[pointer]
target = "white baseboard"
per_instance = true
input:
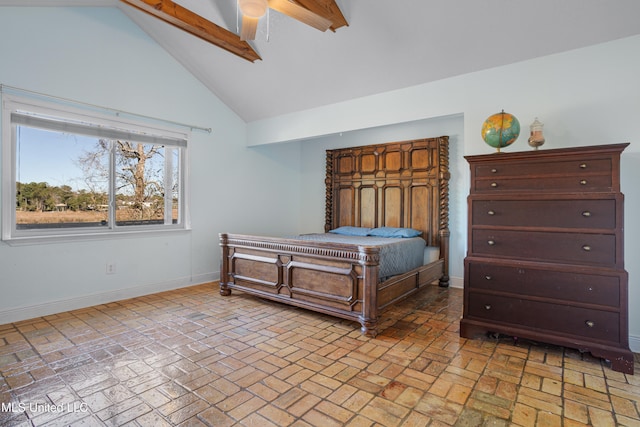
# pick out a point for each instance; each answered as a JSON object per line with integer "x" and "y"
{"x": 456, "y": 282}
{"x": 59, "y": 306}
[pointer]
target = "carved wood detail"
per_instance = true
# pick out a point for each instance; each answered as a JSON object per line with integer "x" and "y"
{"x": 390, "y": 185}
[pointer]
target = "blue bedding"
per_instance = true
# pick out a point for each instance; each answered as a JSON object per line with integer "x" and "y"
{"x": 397, "y": 255}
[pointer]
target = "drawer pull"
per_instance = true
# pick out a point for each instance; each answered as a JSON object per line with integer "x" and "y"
{"x": 491, "y": 213}
{"x": 583, "y": 182}
{"x": 491, "y": 242}
{"x": 494, "y": 170}
{"x": 488, "y": 277}
{"x": 487, "y": 307}
{"x": 583, "y": 165}
{"x": 586, "y": 248}
{"x": 494, "y": 184}
{"x": 586, "y": 214}
{"x": 590, "y": 323}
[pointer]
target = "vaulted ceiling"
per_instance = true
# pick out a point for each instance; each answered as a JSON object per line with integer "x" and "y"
{"x": 386, "y": 45}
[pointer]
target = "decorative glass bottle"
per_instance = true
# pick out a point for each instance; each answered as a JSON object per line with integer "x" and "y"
{"x": 536, "y": 139}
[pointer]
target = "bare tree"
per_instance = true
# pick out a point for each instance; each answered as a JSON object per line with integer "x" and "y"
{"x": 95, "y": 170}
{"x": 132, "y": 171}
{"x": 134, "y": 175}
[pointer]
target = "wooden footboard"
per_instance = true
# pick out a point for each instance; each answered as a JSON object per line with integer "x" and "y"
{"x": 336, "y": 279}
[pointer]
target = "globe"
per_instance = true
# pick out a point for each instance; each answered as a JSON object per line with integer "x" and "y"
{"x": 500, "y": 130}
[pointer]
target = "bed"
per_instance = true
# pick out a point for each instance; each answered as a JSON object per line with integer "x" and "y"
{"x": 393, "y": 186}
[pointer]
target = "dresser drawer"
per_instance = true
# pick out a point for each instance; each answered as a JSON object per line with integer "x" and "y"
{"x": 582, "y": 248}
{"x": 544, "y": 167}
{"x": 545, "y": 213}
{"x": 585, "y": 288}
{"x": 571, "y": 183}
{"x": 558, "y": 318}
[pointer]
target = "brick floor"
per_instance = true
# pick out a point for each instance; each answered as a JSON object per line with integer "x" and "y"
{"x": 193, "y": 358}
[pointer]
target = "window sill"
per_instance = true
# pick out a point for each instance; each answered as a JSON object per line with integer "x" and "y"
{"x": 83, "y": 237}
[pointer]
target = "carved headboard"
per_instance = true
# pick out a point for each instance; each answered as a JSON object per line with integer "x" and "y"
{"x": 397, "y": 184}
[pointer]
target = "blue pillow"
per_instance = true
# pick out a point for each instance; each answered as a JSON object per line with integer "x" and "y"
{"x": 394, "y": 232}
{"x": 351, "y": 231}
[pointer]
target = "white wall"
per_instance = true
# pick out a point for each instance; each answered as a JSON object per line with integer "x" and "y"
{"x": 584, "y": 97}
{"x": 99, "y": 56}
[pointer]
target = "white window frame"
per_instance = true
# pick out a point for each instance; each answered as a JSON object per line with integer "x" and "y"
{"x": 74, "y": 119}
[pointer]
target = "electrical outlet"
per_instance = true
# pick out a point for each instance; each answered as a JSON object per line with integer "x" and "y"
{"x": 111, "y": 268}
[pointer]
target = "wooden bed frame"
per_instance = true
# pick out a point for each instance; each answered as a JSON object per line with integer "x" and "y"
{"x": 400, "y": 184}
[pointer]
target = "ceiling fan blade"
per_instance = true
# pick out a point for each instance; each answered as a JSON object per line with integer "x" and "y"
{"x": 301, "y": 14}
{"x": 328, "y": 9}
{"x": 249, "y": 27}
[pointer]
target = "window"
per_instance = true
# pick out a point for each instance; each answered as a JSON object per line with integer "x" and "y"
{"x": 70, "y": 172}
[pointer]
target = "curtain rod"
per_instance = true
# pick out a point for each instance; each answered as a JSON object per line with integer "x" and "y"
{"x": 99, "y": 107}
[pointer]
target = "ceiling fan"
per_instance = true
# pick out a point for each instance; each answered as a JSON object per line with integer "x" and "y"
{"x": 321, "y": 14}
{"x": 253, "y": 10}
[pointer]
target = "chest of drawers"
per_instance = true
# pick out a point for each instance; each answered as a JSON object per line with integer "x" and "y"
{"x": 545, "y": 254}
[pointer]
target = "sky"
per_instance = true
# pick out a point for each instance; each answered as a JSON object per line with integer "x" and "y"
{"x": 51, "y": 157}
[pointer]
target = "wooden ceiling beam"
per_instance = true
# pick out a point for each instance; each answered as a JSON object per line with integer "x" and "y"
{"x": 328, "y": 9}
{"x": 195, "y": 24}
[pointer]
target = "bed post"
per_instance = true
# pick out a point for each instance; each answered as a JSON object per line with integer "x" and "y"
{"x": 369, "y": 259}
{"x": 444, "y": 233}
{"x": 224, "y": 265}
{"x": 328, "y": 185}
